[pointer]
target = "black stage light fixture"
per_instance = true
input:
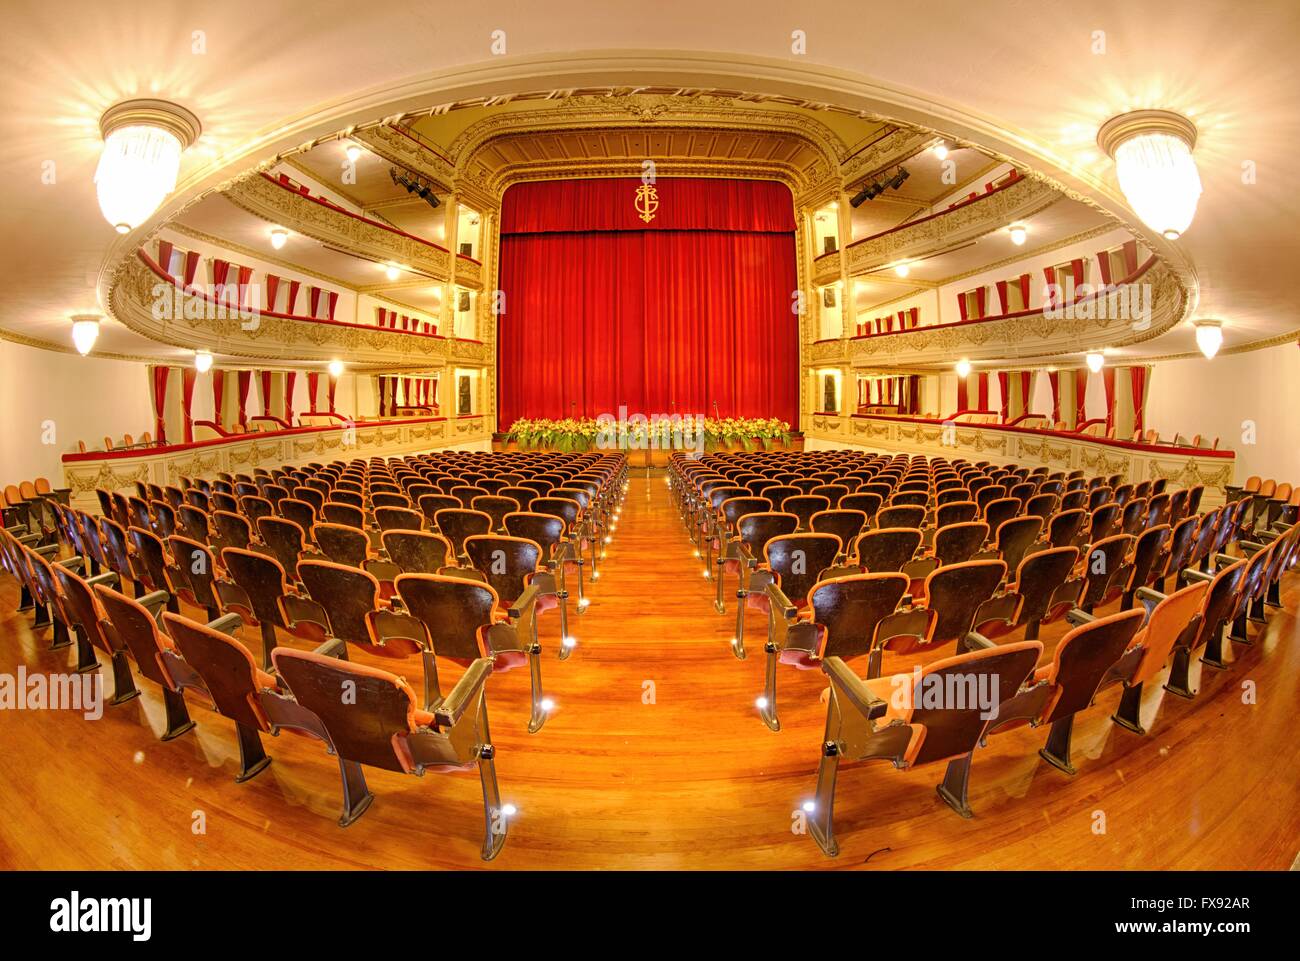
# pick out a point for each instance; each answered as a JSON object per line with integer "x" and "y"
{"x": 898, "y": 178}
{"x": 858, "y": 198}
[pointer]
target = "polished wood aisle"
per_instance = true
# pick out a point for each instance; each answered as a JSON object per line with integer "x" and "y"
{"x": 655, "y": 758}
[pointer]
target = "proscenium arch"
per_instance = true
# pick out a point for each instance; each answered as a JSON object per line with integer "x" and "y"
{"x": 810, "y": 82}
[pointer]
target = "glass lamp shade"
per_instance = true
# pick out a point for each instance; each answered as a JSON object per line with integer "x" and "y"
{"x": 85, "y": 331}
{"x": 1209, "y": 338}
{"x": 1096, "y": 361}
{"x": 963, "y": 368}
{"x": 202, "y": 361}
{"x": 136, "y": 172}
{"x": 1152, "y": 150}
{"x": 336, "y": 368}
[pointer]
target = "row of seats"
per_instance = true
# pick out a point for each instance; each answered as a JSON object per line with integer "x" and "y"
{"x": 448, "y": 581}
{"x": 853, "y": 555}
{"x": 1271, "y": 501}
{"x": 19, "y": 503}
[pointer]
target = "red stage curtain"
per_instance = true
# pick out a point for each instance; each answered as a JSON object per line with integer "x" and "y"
{"x": 289, "y": 380}
{"x": 187, "y": 400}
{"x": 655, "y": 317}
{"x": 245, "y": 381}
{"x": 571, "y": 206}
{"x": 272, "y": 284}
{"x": 218, "y": 394}
{"x": 159, "y": 375}
{"x": 245, "y": 276}
{"x": 313, "y": 383}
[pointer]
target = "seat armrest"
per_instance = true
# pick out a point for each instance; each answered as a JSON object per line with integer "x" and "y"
{"x": 74, "y": 563}
{"x": 154, "y": 602}
{"x": 1191, "y": 575}
{"x": 334, "y": 647}
{"x": 780, "y": 602}
{"x": 524, "y": 602}
{"x": 975, "y": 641}
{"x": 454, "y": 705}
{"x": 1077, "y": 616}
{"x": 108, "y": 577}
{"x": 853, "y": 688}
{"x": 227, "y": 623}
{"x": 1150, "y": 594}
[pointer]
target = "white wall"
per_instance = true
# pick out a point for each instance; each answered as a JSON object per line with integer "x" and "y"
{"x": 1229, "y": 395}
{"x": 80, "y": 398}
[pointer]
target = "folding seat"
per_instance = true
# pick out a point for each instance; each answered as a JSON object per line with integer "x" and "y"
{"x": 1133, "y": 516}
{"x": 869, "y": 504}
{"x": 956, "y": 512}
{"x": 85, "y": 614}
{"x": 1073, "y": 500}
{"x": 1167, "y": 617}
{"x": 341, "y": 543}
{"x": 1205, "y": 632}
{"x": 430, "y": 504}
{"x": 844, "y": 524}
{"x": 257, "y": 590}
{"x": 1103, "y": 562}
{"x": 910, "y": 498}
{"x": 132, "y": 626}
{"x": 1043, "y": 505}
{"x": 886, "y": 550}
{"x": 832, "y": 492}
{"x": 1125, "y": 494}
{"x": 726, "y": 542}
{"x": 804, "y": 506}
{"x": 223, "y": 502}
{"x": 417, "y": 552}
{"x": 1060, "y": 689}
{"x": 903, "y": 515}
{"x": 398, "y": 519}
{"x": 1045, "y": 589}
{"x": 1104, "y": 522}
{"x": 910, "y": 721}
{"x": 313, "y": 496}
{"x": 164, "y": 518}
{"x": 753, "y": 533}
{"x": 231, "y": 530}
{"x": 385, "y": 727}
{"x": 1099, "y": 496}
{"x": 44, "y": 589}
{"x": 344, "y": 604}
{"x": 284, "y": 540}
{"x": 1000, "y": 510}
{"x": 951, "y": 495}
{"x": 150, "y": 564}
{"x": 299, "y": 511}
{"x": 792, "y": 563}
{"x": 247, "y": 488}
{"x": 1158, "y": 510}
{"x": 193, "y": 574}
{"x": 138, "y": 512}
{"x": 383, "y": 499}
{"x": 456, "y": 524}
{"x": 1013, "y": 538}
{"x": 958, "y": 542}
{"x": 117, "y": 553}
{"x": 570, "y": 511}
{"x": 1140, "y": 567}
{"x": 349, "y": 515}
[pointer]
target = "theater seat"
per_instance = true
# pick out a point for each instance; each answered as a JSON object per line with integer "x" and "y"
{"x": 385, "y": 726}
{"x": 911, "y": 721}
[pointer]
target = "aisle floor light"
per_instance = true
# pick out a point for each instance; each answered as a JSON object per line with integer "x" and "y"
{"x": 143, "y": 142}
{"x": 85, "y": 331}
{"x": 1209, "y": 337}
{"x": 1152, "y": 150}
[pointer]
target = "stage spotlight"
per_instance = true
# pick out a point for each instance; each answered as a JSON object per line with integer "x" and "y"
{"x": 898, "y": 178}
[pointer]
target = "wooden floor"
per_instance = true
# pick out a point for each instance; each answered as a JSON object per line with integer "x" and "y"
{"x": 686, "y": 778}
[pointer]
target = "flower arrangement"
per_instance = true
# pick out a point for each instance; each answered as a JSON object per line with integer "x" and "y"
{"x": 636, "y": 432}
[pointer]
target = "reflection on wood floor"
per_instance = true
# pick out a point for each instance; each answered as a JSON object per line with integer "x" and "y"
{"x": 655, "y": 758}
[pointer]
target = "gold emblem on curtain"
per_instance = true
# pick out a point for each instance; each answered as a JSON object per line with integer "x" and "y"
{"x": 647, "y": 202}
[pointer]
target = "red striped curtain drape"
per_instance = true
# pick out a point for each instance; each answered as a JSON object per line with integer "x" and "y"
{"x": 1080, "y": 395}
{"x": 1138, "y": 377}
{"x": 290, "y": 379}
{"x": 313, "y": 385}
{"x": 218, "y": 394}
{"x": 1004, "y": 385}
{"x": 266, "y": 393}
{"x": 1108, "y": 381}
{"x": 158, "y": 381}
{"x": 188, "y": 375}
{"x": 244, "y": 381}
{"x": 1054, "y": 378}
